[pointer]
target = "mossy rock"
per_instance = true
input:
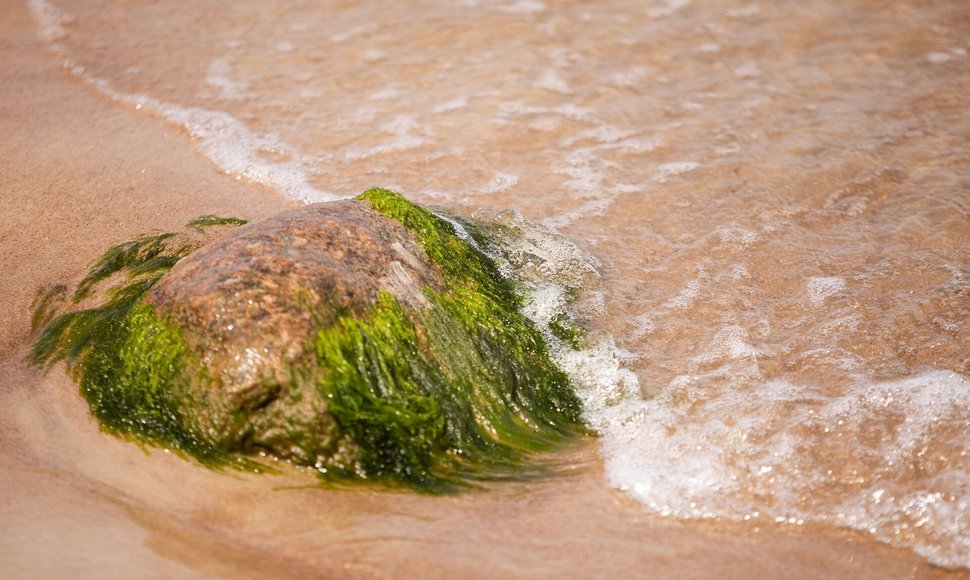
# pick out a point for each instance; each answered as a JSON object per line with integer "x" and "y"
{"x": 367, "y": 338}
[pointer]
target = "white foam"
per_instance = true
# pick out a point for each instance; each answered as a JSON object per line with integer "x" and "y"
{"x": 218, "y": 76}
{"x": 386, "y": 93}
{"x": 51, "y": 22}
{"x": 735, "y": 236}
{"x": 748, "y": 70}
{"x": 452, "y": 105}
{"x": 728, "y": 149}
{"x": 670, "y": 7}
{"x": 643, "y": 325}
{"x": 939, "y": 57}
{"x": 346, "y": 35}
{"x": 236, "y": 150}
{"x": 601, "y": 134}
{"x": 822, "y": 287}
{"x": 588, "y": 170}
{"x": 743, "y": 11}
{"x": 535, "y": 254}
{"x": 524, "y": 7}
{"x": 696, "y": 451}
{"x": 630, "y": 78}
{"x": 730, "y": 342}
{"x": 739, "y": 272}
{"x": 666, "y": 170}
{"x": 501, "y": 181}
{"x": 708, "y": 47}
{"x": 685, "y": 296}
{"x": 401, "y": 127}
{"x": 550, "y": 80}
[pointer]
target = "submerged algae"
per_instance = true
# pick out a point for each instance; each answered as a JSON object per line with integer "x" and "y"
{"x": 456, "y": 385}
{"x": 128, "y": 363}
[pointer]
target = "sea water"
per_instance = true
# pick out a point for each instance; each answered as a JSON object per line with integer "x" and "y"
{"x": 760, "y": 211}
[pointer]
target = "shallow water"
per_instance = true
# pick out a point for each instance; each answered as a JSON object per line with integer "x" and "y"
{"x": 775, "y": 198}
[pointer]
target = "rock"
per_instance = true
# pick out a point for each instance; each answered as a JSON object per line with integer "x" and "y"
{"x": 365, "y": 338}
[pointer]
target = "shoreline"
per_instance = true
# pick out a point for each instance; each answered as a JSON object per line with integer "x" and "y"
{"x": 78, "y": 174}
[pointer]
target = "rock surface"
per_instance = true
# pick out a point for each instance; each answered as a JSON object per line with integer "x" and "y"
{"x": 250, "y": 302}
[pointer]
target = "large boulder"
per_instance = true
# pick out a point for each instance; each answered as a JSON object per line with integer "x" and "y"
{"x": 368, "y": 338}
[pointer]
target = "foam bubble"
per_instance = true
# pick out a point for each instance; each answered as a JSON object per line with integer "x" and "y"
{"x": 685, "y": 296}
{"x": 822, "y": 287}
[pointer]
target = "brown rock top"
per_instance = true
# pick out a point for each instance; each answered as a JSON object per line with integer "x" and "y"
{"x": 242, "y": 300}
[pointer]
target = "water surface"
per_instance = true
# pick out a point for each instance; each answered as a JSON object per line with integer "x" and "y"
{"x": 776, "y": 197}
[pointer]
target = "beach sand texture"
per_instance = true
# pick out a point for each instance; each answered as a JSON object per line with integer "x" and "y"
{"x": 80, "y": 171}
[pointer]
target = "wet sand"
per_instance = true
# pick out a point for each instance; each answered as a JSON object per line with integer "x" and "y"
{"x": 77, "y": 174}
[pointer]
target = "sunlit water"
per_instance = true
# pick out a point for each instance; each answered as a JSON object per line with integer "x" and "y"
{"x": 771, "y": 203}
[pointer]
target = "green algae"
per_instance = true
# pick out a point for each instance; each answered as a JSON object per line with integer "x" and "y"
{"x": 46, "y": 304}
{"x": 487, "y": 305}
{"x": 206, "y": 221}
{"x": 433, "y": 403}
{"x": 135, "y": 384}
{"x": 129, "y": 364}
{"x": 461, "y": 388}
{"x": 566, "y": 329}
{"x": 462, "y": 263}
{"x": 500, "y": 396}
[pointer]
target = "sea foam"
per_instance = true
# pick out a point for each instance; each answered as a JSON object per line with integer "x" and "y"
{"x": 725, "y": 443}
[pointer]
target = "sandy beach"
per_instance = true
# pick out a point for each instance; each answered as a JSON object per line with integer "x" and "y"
{"x": 79, "y": 173}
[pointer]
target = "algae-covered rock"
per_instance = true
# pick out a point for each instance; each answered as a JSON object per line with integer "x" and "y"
{"x": 368, "y": 338}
